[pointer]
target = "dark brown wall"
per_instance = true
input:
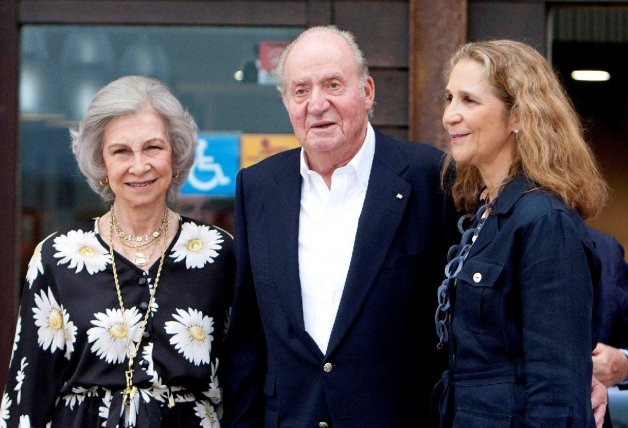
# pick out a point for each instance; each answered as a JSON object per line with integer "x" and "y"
{"x": 8, "y": 181}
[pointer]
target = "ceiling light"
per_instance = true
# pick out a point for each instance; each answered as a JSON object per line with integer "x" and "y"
{"x": 590, "y": 75}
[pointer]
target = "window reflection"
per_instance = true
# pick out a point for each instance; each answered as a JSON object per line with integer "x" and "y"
{"x": 214, "y": 71}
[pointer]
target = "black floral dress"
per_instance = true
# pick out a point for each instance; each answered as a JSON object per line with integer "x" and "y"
{"x": 70, "y": 351}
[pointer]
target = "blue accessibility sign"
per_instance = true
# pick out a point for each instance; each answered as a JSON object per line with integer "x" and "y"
{"x": 215, "y": 166}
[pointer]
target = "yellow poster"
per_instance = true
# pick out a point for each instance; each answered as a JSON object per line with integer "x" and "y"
{"x": 255, "y": 147}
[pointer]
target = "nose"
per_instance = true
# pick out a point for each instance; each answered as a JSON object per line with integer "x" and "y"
{"x": 318, "y": 101}
{"x": 451, "y": 115}
{"x": 139, "y": 164}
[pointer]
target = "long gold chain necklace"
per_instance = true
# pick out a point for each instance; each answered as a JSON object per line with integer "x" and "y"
{"x": 140, "y": 259}
{"x": 131, "y": 389}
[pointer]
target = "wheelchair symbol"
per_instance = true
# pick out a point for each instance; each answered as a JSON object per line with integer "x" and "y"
{"x": 205, "y": 163}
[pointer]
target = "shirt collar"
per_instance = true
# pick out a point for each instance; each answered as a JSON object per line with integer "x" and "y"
{"x": 512, "y": 192}
{"x": 361, "y": 162}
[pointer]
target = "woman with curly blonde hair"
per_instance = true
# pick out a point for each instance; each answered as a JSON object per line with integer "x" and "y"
{"x": 517, "y": 309}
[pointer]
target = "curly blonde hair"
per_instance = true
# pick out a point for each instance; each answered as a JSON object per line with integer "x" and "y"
{"x": 550, "y": 148}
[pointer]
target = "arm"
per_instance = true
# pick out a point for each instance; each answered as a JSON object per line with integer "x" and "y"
{"x": 557, "y": 312}
{"x": 43, "y": 334}
{"x": 244, "y": 361}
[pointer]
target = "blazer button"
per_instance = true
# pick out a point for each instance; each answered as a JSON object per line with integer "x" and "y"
{"x": 327, "y": 368}
{"x": 323, "y": 425}
{"x": 477, "y": 277}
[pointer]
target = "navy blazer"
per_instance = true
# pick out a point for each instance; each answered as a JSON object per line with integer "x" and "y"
{"x": 524, "y": 320}
{"x": 381, "y": 360}
{"x": 614, "y": 328}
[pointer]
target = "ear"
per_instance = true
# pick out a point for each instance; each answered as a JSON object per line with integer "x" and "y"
{"x": 513, "y": 120}
{"x": 369, "y": 92}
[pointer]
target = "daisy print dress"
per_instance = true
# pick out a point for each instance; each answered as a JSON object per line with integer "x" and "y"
{"x": 70, "y": 353}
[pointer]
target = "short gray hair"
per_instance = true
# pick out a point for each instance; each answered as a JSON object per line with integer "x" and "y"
{"x": 127, "y": 95}
{"x": 358, "y": 56}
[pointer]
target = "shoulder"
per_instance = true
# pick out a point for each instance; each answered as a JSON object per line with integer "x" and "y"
{"x": 194, "y": 227}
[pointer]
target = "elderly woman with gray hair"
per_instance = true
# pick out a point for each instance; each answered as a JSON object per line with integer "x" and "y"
{"x": 122, "y": 316}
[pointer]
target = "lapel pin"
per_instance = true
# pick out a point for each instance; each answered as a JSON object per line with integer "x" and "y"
{"x": 399, "y": 196}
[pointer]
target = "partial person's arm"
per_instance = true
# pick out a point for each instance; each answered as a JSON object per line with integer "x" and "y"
{"x": 610, "y": 365}
{"x": 44, "y": 340}
{"x": 599, "y": 400}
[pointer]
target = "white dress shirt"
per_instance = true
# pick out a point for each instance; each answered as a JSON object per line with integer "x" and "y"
{"x": 328, "y": 222}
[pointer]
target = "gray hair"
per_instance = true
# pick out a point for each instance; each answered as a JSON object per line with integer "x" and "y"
{"x": 127, "y": 95}
{"x": 358, "y": 56}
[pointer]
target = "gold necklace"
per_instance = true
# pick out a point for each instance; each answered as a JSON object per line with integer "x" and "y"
{"x": 140, "y": 257}
{"x": 131, "y": 389}
{"x": 139, "y": 239}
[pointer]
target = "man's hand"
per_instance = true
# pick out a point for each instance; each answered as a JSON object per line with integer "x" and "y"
{"x": 610, "y": 366}
{"x": 599, "y": 400}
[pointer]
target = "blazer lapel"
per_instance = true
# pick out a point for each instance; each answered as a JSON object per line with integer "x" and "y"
{"x": 283, "y": 204}
{"x": 384, "y": 205}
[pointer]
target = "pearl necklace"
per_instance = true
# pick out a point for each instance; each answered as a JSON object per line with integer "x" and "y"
{"x": 130, "y": 390}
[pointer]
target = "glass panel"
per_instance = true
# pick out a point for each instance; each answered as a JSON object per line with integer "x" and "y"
{"x": 218, "y": 73}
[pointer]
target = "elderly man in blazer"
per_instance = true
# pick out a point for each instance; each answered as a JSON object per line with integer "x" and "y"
{"x": 340, "y": 248}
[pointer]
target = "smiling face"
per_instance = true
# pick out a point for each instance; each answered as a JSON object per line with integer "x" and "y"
{"x": 138, "y": 158}
{"x": 327, "y": 108}
{"x": 478, "y": 122}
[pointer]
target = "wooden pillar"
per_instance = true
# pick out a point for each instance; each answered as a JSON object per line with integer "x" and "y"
{"x": 8, "y": 180}
{"x": 437, "y": 28}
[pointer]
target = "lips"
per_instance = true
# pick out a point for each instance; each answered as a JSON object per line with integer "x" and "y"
{"x": 142, "y": 184}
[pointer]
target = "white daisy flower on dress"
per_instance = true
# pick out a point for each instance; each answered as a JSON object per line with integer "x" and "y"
{"x": 81, "y": 249}
{"x": 78, "y": 395}
{"x": 110, "y": 333}
{"x": 19, "y": 379}
{"x": 158, "y": 389}
{"x": 4, "y": 410}
{"x": 25, "y": 422}
{"x": 192, "y": 334}
{"x": 35, "y": 267}
{"x": 205, "y": 411}
{"x": 56, "y": 331}
{"x": 197, "y": 244}
{"x": 131, "y": 411}
{"x": 103, "y": 410}
{"x": 16, "y": 341}
{"x": 214, "y": 393}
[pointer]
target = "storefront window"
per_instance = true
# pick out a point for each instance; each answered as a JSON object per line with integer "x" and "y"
{"x": 222, "y": 75}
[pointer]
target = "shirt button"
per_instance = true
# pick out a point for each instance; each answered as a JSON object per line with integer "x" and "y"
{"x": 141, "y": 281}
{"x": 477, "y": 277}
{"x": 143, "y": 306}
{"x": 146, "y": 335}
{"x": 328, "y": 367}
{"x": 323, "y": 425}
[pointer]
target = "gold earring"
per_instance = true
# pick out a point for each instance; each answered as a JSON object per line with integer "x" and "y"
{"x": 174, "y": 177}
{"x": 104, "y": 182}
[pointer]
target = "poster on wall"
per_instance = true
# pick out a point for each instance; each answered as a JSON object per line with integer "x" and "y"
{"x": 215, "y": 166}
{"x": 269, "y": 53}
{"x": 255, "y": 147}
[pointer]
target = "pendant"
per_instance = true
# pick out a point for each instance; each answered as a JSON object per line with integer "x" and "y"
{"x": 140, "y": 259}
{"x": 129, "y": 392}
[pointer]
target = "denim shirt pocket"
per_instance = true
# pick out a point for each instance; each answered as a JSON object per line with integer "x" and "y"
{"x": 478, "y": 296}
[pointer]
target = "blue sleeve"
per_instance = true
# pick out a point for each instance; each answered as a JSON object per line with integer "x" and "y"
{"x": 557, "y": 278}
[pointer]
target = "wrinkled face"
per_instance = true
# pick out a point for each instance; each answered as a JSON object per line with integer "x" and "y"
{"x": 138, "y": 158}
{"x": 478, "y": 122}
{"x": 327, "y": 108}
